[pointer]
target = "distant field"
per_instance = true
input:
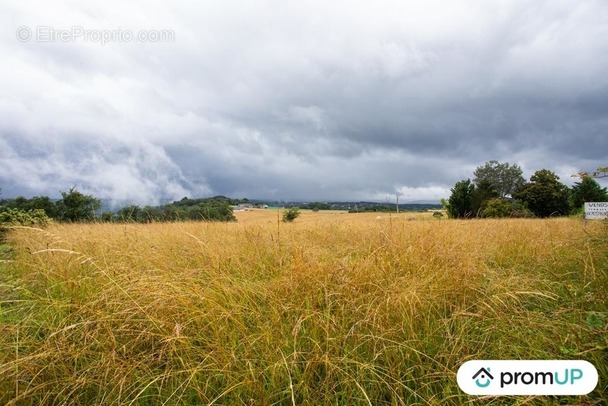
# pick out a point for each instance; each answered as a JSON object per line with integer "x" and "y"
{"x": 262, "y": 216}
{"x": 334, "y": 308}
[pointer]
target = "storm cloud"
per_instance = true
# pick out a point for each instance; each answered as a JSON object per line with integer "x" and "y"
{"x": 339, "y": 100}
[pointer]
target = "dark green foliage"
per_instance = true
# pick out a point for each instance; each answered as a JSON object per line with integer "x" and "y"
{"x": 380, "y": 208}
{"x": 520, "y": 209}
{"x": 316, "y": 206}
{"x": 186, "y": 202}
{"x": 291, "y": 214}
{"x": 496, "y": 208}
{"x": 438, "y": 215}
{"x": 75, "y": 206}
{"x": 483, "y": 192}
{"x": 211, "y": 209}
{"x": 460, "y": 203}
{"x": 505, "y": 178}
{"x": 545, "y": 195}
{"x": 499, "y": 190}
{"x": 36, "y": 202}
{"x": 587, "y": 190}
{"x": 129, "y": 213}
{"x": 499, "y": 208}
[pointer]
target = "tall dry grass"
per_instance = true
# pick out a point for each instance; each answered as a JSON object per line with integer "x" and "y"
{"x": 332, "y": 309}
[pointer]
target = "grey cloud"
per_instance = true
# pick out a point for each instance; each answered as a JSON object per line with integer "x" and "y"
{"x": 318, "y": 100}
{"x": 140, "y": 173}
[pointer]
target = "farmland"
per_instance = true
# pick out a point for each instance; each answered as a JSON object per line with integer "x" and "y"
{"x": 335, "y": 308}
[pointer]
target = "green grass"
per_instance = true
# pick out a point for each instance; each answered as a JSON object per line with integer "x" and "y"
{"x": 347, "y": 310}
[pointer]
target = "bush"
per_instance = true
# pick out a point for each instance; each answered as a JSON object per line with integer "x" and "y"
{"x": 520, "y": 209}
{"x": 17, "y": 217}
{"x": 291, "y": 214}
{"x": 500, "y": 208}
{"x": 579, "y": 212}
{"x": 496, "y": 208}
{"x": 107, "y": 217}
{"x": 437, "y": 214}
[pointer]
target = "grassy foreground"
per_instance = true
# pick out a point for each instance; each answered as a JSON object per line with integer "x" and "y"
{"x": 332, "y": 309}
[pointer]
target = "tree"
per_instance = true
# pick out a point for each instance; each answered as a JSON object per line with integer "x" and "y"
{"x": 545, "y": 195}
{"x": 212, "y": 210}
{"x": 587, "y": 190}
{"x": 483, "y": 192}
{"x": 601, "y": 172}
{"x": 75, "y": 206}
{"x": 35, "y": 203}
{"x": 505, "y": 178}
{"x": 460, "y": 203}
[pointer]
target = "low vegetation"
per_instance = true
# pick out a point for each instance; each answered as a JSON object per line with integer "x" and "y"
{"x": 332, "y": 309}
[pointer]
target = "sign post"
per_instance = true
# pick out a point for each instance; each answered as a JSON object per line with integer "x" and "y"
{"x": 596, "y": 211}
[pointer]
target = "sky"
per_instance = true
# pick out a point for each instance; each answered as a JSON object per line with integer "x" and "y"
{"x": 148, "y": 101}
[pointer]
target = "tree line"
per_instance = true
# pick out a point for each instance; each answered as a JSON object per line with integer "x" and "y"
{"x": 218, "y": 208}
{"x": 499, "y": 190}
{"x": 75, "y": 206}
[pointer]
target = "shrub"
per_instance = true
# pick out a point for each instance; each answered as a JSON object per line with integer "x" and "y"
{"x": 496, "y": 208}
{"x": 520, "y": 209}
{"x": 500, "y": 208}
{"x": 291, "y": 214}
{"x": 17, "y": 217}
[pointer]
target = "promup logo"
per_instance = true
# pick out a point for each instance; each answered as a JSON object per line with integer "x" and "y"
{"x": 542, "y": 377}
{"x": 485, "y": 376}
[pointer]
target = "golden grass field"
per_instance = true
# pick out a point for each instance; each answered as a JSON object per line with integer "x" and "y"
{"x": 334, "y": 308}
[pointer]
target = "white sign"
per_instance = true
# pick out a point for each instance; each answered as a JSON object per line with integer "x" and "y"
{"x": 596, "y": 211}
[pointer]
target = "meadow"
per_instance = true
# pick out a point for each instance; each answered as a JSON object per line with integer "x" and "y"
{"x": 334, "y": 308}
